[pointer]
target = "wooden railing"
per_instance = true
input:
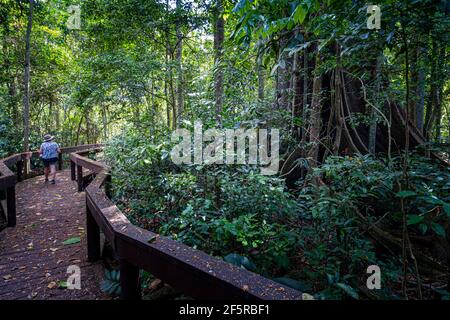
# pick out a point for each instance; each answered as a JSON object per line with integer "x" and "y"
{"x": 9, "y": 179}
{"x": 184, "y": 268}
{"x": 191, "y": 271}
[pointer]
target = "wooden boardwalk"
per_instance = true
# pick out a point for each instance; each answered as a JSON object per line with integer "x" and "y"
{"x": 33, "y": 258}
{"x": 35, "y": 252}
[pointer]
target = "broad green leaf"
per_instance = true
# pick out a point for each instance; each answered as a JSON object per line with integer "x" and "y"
{"x": 415, "y": 219}
{"x": 294, "y": 284}
{"x": 440, "y": 231}
{"x": 349, "y": 290}
{"x": 423, "y": 228}
{"x": 405, "y": 194}
{"x": 299, "y": 14}
{"x": 446, "y": 207}
{"x": 72, "y": 240}
{"x": 240, "y": 261}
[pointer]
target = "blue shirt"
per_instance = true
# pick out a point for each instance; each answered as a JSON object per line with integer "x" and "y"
{"x": 49, "y": 150}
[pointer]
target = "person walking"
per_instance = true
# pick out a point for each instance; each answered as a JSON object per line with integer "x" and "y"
{"x": 49, "y": 154}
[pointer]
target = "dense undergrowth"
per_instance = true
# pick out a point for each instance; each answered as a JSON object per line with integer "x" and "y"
{"x": 317, "y": 238}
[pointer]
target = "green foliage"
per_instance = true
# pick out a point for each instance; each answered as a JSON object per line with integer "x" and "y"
{"x": 7, "y": 135}
{"x": 316, "y": 241}
{"x": 240, "y": 261}
{"x": 214, "y": 209}
{"x": 294, "y": 284}
{"x": 335, "y": 247}
{"x": 111, "y": 283}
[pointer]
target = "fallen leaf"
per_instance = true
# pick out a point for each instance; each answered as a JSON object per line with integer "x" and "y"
{"x": 155, "y": 284}
{"x": 7, "y": 277}
{"x": 32, "y": 295}
{"x": 51, "y": 285}
{"x": 306, "y": 296}
{"x": 153, "y": 239}
{"x": 72, "y": 240}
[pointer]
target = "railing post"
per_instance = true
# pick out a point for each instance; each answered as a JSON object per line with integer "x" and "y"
{"x": 108, "y": 186}
{"x": 60, "y": 161}
{"x": 92, "y": 235}
{"x": 80, "y": 178}
{"x": 19, "y": 168}
{"x": 2, "y": 194}
{"x": 129, "y": 281}
{"x": 72, "y": 171}
{"x": 11, "y": 206}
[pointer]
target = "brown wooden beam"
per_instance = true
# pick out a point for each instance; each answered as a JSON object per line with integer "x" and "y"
{"x": 11, "y": 206}
{"x": 93, "y": 237}
{"x": 129, "y": 281}
{"x": 73, "y": 171}
{"x": 60, "y": 161}
{"x": 80, "y": 178}
{"x": 19, "y": 168}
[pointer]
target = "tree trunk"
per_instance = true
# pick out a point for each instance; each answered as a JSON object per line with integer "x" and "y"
{"x": 219, "y": 35}
{"x": 57, "y": 118}
{"x": 179, "y": 55}
{"x": 26, "y": 81}
{"x": 77, "y": 139}
{"x": 413, "y": 82}
{"x": 434, "y": 105}
{"x": 376, "y": 100}
{"x": 297, "y": 99}
{"x": 173, "y": 102}
{"x": 283, "y": 76}
{"x": 315, "y": 118}
{"x": 88, "y": 127}
{"x": 168, "y": 85}
{"x": 421, "y": 89}
{"x": 104, "y": 123}
{"x": 166, "y": 95}
{"x": 431, "y": 103}
{"x": 153, "y": 101}
{"x": 305, "y": 107}
{"x": 438, "y": 119}
{"x": 439, "y": 91}
{"x": 261, "y": 80}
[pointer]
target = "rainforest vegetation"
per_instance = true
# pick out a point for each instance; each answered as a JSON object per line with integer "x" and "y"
{"x": 363, "y": 113}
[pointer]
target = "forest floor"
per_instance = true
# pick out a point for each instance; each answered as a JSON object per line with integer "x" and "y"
{"x": 49, "y": 237}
